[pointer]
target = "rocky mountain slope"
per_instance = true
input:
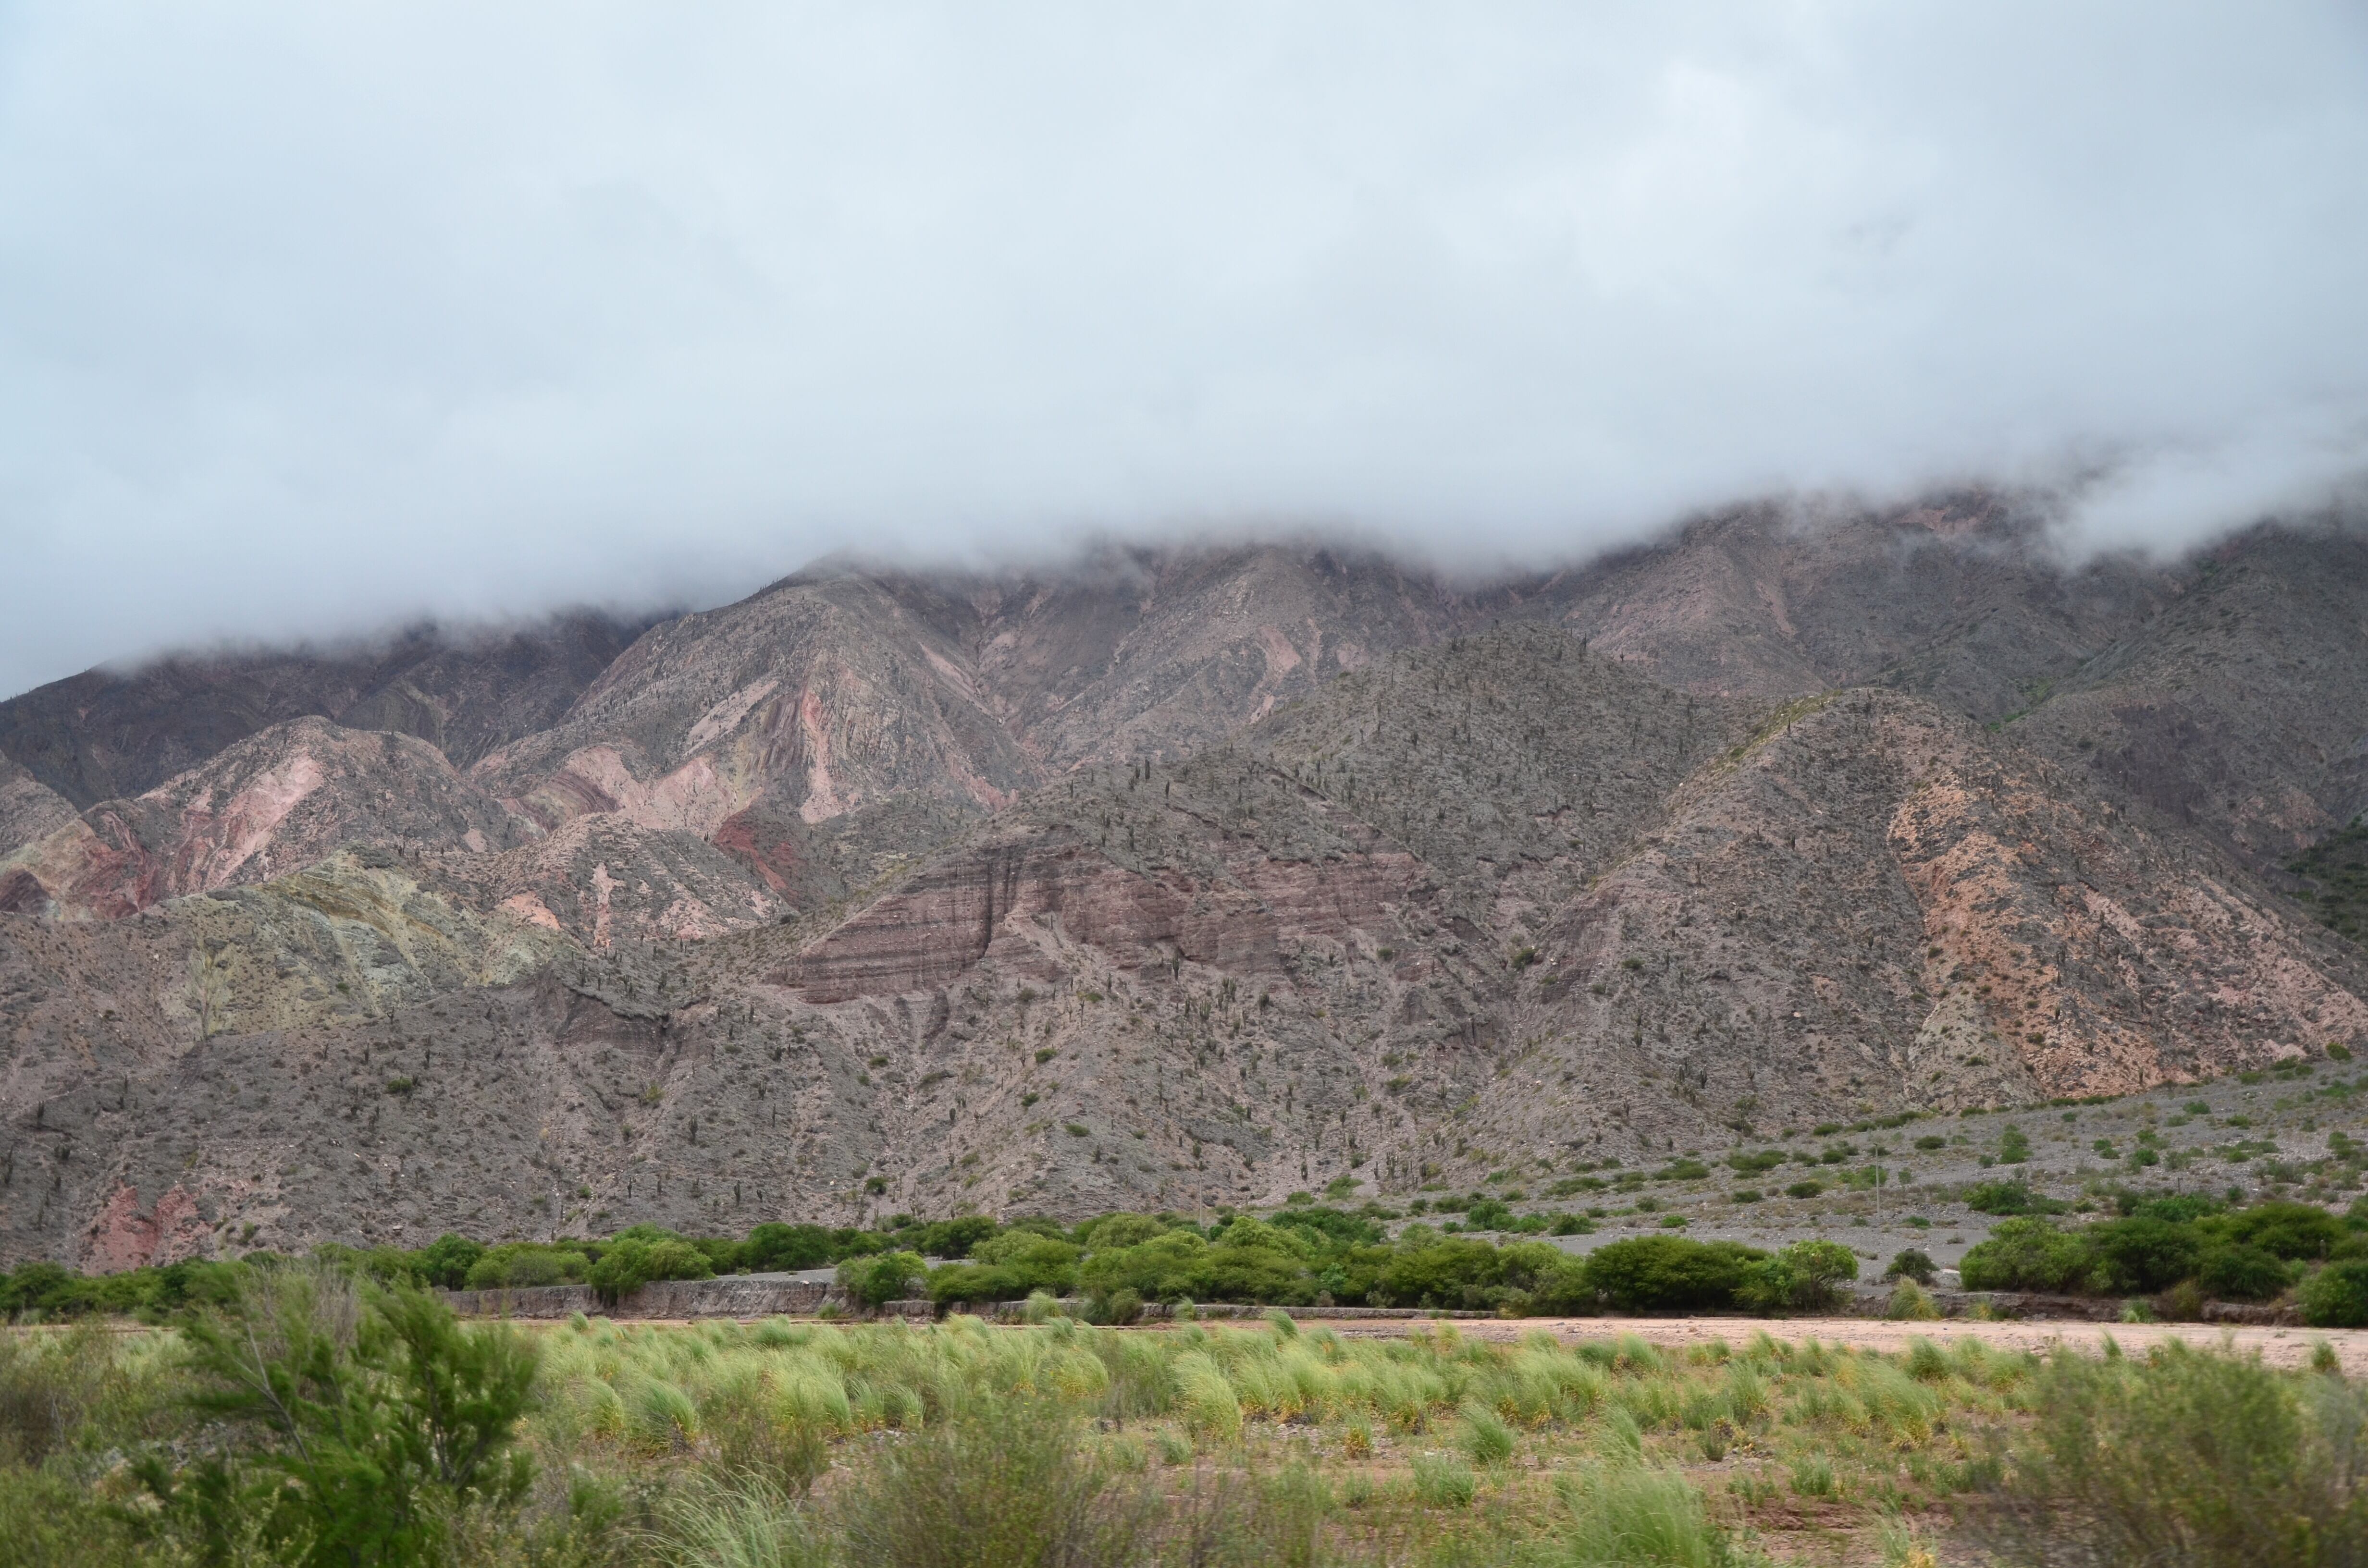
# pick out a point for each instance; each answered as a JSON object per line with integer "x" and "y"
{"x": 107, "y": 734}
{"x": 2236, "y": 712}
{"x": 275, "y": 800}
{"x": 28, "y": 808}
{"x": 1188, "y": 878}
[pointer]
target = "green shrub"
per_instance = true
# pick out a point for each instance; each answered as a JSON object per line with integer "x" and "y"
{"x": 2190, "y": 1456}
{"x": 2025, "y": 1254}
{"x": 1008, "y": 1267}
{"x": 1911, "y": 1263}
{"x": 1335, "y": 1227}
{"x": 446, "y": 1261}
{"x": 1489, "y": 1214}
{"x": 625, "y": 1266}
{"x": 360, "y": 1424}
{"x": 1805, "y": 1276}
{"x": 1120, "y": 1230}
{"x": 2280, "y": 1228}
{"x": 2240, "y": 1274}
{"x": 2009, "y": 1197}
{"x": 1670, "y": 1273}
{"x": 2142, "y": 1254}
{"x": 876, "y": 1282}
{"x": 1451, "y": 1272}
{"x": 2337, "y": 1296}
{"x": 779, "y": 1248}
{"x": 2180, "y": 1210}
{"x": 519, "y": 1264}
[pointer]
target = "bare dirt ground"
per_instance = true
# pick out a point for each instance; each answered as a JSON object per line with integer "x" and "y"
{"x": 2276, "y": 1347}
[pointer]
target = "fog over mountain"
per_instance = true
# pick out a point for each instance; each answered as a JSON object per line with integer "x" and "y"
{"x": 315, "y": 320}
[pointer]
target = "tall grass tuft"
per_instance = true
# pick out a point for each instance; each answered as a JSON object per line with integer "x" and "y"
{"x": 1002, "y": 1485}
{"x": 1629, "y": 1514}
{"x": 50, "y": 1385}
{"x": 1206, "y": 1399}
{"x": 662, "y": 1416}
{"x": 1441, "y": 1480}
{"x": 1274, "y": 1521}
{"x": 1486, "y": 1439}
{"x": 746, "y": 1523}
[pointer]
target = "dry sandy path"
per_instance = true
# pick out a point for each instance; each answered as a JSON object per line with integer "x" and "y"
{"x": 2277, "y": 1347}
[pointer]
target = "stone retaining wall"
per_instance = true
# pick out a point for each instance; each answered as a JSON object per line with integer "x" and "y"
{"x": 1869, "y": 1300}
{"x": 724, "y": 1298}
{"x": 1160, "y": 1311}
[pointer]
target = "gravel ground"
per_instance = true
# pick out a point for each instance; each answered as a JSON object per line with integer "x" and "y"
{"x": 2276, "y": 1136}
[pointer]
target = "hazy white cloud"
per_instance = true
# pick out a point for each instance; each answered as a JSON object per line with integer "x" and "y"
{"x": 311, "y": 317}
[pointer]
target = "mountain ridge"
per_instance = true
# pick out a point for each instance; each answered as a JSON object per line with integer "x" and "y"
{"x": 1198, "y": 877}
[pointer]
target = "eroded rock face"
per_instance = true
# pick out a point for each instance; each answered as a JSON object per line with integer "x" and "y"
{"x": 604, "y": 880}
{"x": 2234, "y": 713}
{"x": 28, "y": 810}
{"x": 123, "y": 1235}
{"x": 269, "y": 804}
{"x": 1020, "y": 899}
{"x": 1879, "y": 903}
{"x": 836, "y": 693}
{"x": 818, "y": 696}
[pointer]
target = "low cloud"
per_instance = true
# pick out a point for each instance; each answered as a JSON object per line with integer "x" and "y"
{"x": 317, "y": 318}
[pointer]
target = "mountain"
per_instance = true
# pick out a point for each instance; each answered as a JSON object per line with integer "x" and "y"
{"x": 107, "y": 734}
{"x": 1169, "y": 877}
{"x": 272, "y": 802}
{"x": 2235, "y": 712}
{"x": 840, "y": 715}
{"x": 1964, "y": 601}
{"x": 28, "y": 808}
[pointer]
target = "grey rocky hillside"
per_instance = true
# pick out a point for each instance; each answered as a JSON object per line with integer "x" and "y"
{"x": 1181, "y": 880}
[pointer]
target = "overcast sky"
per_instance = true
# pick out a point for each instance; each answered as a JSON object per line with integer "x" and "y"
{"x": 313, "y": 317}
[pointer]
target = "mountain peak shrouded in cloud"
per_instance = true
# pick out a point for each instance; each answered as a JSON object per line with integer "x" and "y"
{"x": 318, "y": 320}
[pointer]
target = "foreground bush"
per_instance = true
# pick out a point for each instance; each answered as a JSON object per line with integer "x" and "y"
{"x": 364, "y": 1422}
{"x": 2191, "y": 1458}
{"x": 2337, "y": 1296}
